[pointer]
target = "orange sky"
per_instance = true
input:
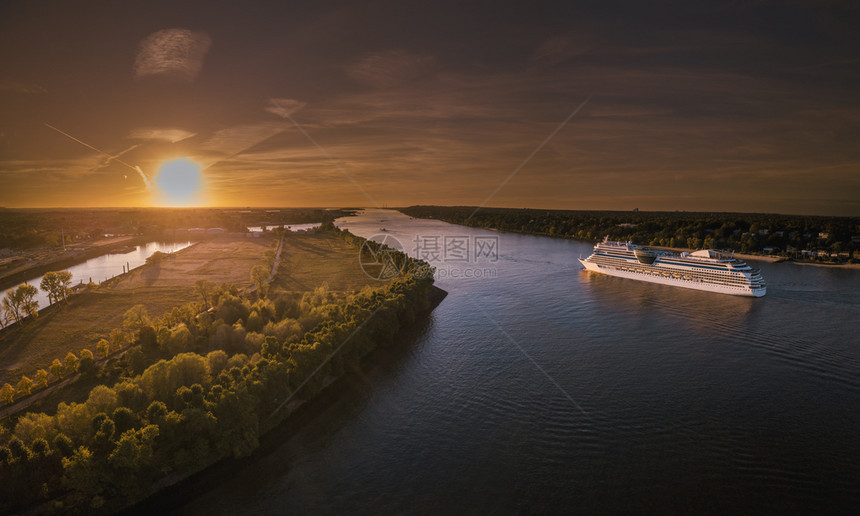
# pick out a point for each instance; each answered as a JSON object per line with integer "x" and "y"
{"x": 702, "y": 107}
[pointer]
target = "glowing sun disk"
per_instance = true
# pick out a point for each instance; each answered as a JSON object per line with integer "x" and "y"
{"x": 179, "y": 182}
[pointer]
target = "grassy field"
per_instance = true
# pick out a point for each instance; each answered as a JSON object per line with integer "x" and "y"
{"x": 87, "y": 317}
{"x": 309, "y": 260}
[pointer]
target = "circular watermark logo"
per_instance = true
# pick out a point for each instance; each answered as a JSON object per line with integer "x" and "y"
{"x": 378, "y": 257}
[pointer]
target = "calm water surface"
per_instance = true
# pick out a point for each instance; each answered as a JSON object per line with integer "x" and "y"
{"x": 549, "y": 389}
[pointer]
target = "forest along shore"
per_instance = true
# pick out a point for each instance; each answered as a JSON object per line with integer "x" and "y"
{"x": 201, "y": 381}
{"x": 800, "y": 239}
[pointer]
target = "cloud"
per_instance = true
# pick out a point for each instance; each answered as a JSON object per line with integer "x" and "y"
{"x": 392, "y": 68}
{"x": 161, "y": 134}
{"x": 285, "y": 107}
{"x": 20, "y": 87}
{"x": 172, "y": 53}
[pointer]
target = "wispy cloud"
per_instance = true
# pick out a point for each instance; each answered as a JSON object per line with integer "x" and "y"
{"x": 20, "y": 87}
{"x": 172, "y": 53}
{"x": 160, "y": 134}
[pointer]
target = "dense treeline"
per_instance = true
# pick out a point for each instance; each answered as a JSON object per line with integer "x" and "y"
{"x": 745, "y": 232}
{"x": 220, "y": 378}
{"x": 30, "y": 228}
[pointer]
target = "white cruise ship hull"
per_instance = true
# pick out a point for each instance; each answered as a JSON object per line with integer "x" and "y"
{"x": 675, "y": 282}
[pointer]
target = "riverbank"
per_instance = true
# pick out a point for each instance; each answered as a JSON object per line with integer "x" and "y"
{"x": 166, "y": 493}
{"x": 241, "y": 387}
{"x": 85, "y": 318}
{"x": 61, "y": 259}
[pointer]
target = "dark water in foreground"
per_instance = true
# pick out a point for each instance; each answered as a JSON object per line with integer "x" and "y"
{"x": 548, "y": 389}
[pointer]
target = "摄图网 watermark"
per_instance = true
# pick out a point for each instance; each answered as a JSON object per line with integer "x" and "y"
{"x": 447, "y": 256}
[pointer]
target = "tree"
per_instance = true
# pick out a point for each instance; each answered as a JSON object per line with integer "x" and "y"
{"x": 29, "y": 305}
{"x": 260, "y": 278}
{"x": 156, "y": 258}
{"x": 136, "y": 360}
{"x": 117, "y": 339}
{"x": 41, "y": 378}
{"x": 81, "y": 474}
{"x": 148, "y": 338}
{"x": 57, "y": 368}
{"x": 124, "y": 419}
{"x": 63, "y": 445}
{"x": 21, "y": 302}
{"x": 57, "y": 285}
{"x": 25, "y": 385}
{"x": 7, "y": 393}
{"x": 71, "y": 362}
{"x": 87, "y": 361}
{"x": 205, "y": 289}
{"x": 180, "y": 340}
{"x": 135, "y": 318}
{"x": 12, "y": 306}
{"x": 103, "y": 348}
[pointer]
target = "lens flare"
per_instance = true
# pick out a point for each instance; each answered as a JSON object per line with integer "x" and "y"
{"x": 179, "y": 183}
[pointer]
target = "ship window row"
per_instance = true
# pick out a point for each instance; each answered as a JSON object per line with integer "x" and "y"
{"x": 735, "y": 283}
{"x": 697, "y": 275}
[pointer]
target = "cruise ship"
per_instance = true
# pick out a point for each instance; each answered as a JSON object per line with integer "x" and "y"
{"x": 708, "y": 269}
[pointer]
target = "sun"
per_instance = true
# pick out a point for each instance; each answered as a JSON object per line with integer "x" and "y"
{"x": 179, "y": 183}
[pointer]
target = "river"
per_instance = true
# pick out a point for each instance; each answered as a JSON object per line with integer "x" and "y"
{"x": 106, "y": 266}
{"x": 538, "y": 387}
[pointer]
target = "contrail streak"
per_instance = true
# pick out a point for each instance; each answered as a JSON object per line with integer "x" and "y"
{"x": 87, "y": 145}
{"x": 241, "y": 151}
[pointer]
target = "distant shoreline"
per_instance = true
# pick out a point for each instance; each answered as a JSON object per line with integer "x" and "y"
{"x": 666, "y": 227}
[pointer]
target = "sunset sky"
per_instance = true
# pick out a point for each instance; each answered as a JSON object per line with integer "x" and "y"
{"x": 724, "y": 106}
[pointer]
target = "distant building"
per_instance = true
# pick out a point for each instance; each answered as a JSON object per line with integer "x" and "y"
{"x": 763, "y": 232}
{"x": 824, "y": 235}
{"x": 855, "y": 239}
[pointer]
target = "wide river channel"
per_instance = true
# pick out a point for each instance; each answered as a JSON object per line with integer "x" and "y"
{"x": 538, "y": 387}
